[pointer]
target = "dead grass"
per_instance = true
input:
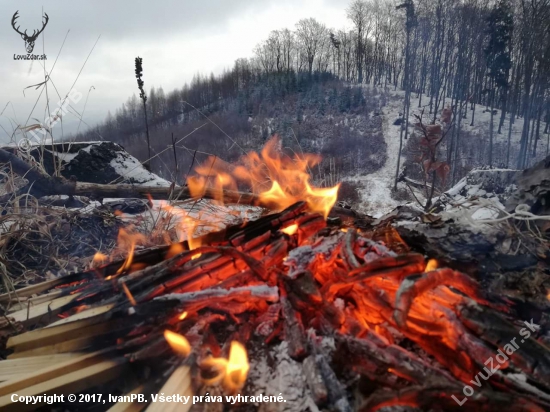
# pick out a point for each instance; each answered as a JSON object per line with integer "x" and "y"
{"x": 349, "y": 193}
{"x": 38, "y": 241}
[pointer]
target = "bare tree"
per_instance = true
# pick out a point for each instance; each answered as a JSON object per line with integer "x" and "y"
{"x": 358, "y": 13}
{"x": 311, "y": 36}
{"x": 288, "y": 46}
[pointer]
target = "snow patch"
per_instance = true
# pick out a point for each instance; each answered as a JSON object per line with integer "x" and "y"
{"x": 128, "y": 166}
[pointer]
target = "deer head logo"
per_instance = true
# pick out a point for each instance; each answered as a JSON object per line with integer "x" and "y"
{"x": 29, "y": 40}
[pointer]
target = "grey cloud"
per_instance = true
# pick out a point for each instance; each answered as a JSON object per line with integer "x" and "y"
{"x": 176, "y": 39}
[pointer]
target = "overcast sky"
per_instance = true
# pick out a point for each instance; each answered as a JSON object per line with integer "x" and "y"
{"x": 175, "y": 38}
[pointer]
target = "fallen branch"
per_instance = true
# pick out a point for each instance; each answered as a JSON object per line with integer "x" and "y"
{"x": 41, "y": 184}
{"x": 100, "y": 191}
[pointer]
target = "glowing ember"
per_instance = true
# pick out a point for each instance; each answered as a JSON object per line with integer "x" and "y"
{"x": 290, "y": 230}
{"x": 177, "y": 342}
{"x": 182, "y": 316}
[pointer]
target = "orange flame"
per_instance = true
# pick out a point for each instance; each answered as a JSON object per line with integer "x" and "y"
{"x": 322, "y": 200}
{"x": 129, "y": 294}
{"x": 237, "y": 367}
{"x": 175, "y": 249}
{"x": 278, "y": 180}
{"x": 177, "y": 342}
{"x": 232, "y": 371}
{"x": 186, "y": 227}
{"x": 431, "y": 265}
{"x": 127, "y": 241}
{"x": 100, "y": 258}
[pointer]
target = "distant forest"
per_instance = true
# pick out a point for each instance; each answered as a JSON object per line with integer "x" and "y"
{"x": 494, "y": 54}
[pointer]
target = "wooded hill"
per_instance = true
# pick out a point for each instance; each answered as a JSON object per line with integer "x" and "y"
{"x": 491, "y": 54}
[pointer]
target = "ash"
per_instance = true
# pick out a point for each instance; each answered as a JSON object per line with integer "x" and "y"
{"x": 275, "y": 373}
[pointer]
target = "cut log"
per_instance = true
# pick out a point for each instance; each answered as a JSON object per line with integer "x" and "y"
{"x": 533, "y": 189}
{"x": 175, "y": 193}
{"x": 40, "y": 184}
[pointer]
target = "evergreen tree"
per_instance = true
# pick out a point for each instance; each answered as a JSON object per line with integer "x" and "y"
{"x": 500, "y": 25}
{"x": 345, "y": 99}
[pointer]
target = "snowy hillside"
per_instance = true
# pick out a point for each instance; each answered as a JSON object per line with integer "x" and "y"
{"x": 376, "y": 188}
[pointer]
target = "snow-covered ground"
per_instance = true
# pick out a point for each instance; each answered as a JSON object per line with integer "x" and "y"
{"x": 131, "y": 168}
{"x": 376, "y": 190}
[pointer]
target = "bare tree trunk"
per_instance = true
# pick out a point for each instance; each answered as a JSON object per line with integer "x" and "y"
{"x": 491, "y": 125}
{"x": 405, "y": 122}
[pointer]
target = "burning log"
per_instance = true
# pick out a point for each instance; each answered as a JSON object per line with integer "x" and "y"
{"x": 294, "y": 331}
{"x": 176, "y": 292}
{"x": 441, "y": 397}
{"x": 414, "y": 286}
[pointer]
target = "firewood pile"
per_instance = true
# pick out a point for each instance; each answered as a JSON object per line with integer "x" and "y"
{"x": 340, "y": 313}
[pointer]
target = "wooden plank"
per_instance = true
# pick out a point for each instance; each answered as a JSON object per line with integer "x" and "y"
{"x": 23, "y": 303}
{"x": 45, "y": 336}
{"x": 178, "y": 383}
{"x": 129, "y": 406}
{"x": 73, "y": 382}
{"x": 12, "y": 369}
{"x": 72, "y": 345}
{"x": 31, "y": 290}
{"x": 34, "y": 313}
{"x": 85, "y": 314}
{"x": 62, "y": 368}
{"x": 81, "y": 339}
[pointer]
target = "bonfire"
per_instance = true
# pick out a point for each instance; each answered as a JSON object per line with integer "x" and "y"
{"x": 358, "y": 320}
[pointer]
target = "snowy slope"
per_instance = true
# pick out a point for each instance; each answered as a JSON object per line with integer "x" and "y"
{"x": 376, "y": 193}
{"x": 376, "y": 190}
